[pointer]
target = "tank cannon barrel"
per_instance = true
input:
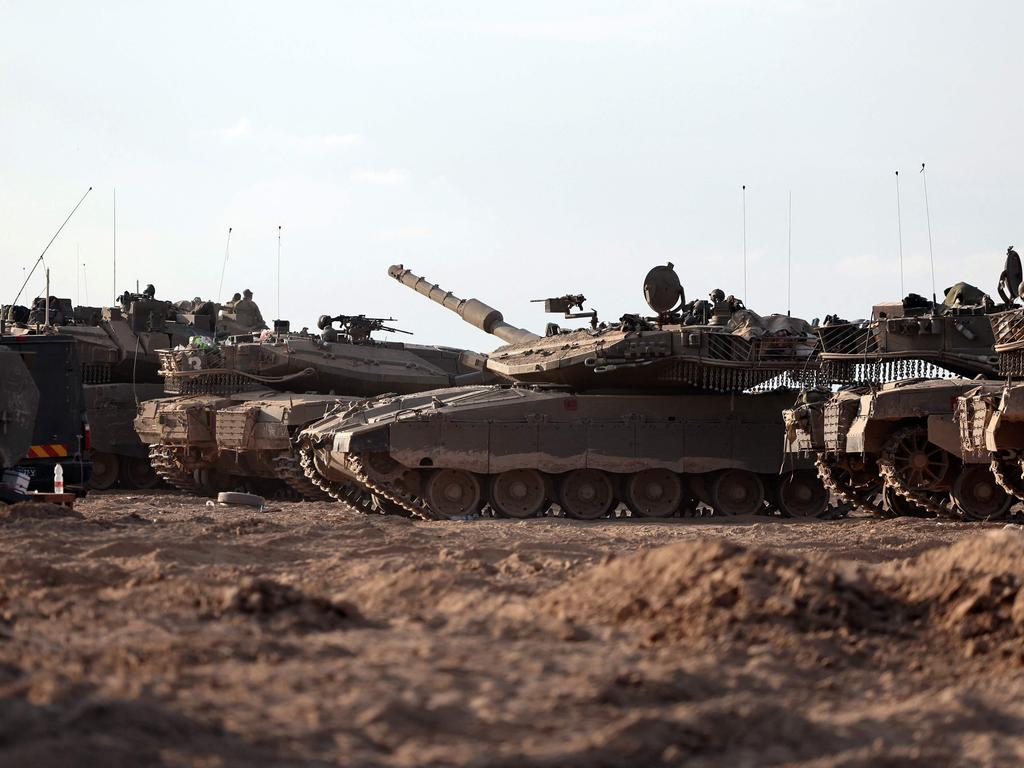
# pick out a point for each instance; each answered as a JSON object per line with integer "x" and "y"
{"x": 473, "y": 311}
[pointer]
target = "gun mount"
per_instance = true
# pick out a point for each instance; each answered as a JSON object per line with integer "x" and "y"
{"x": 356, "y": 327}
{"x": 563, "y": 305}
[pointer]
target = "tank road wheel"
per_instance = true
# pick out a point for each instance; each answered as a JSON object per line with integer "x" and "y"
{"x": 801, "y": 494}
{"x": 737, "y": 492}
{"x": 518, "y": 493}
{"x": 899, "y": 506}
{"x": 137, "y": 473}
{"x": 105, "y": 469}
{"x": 978, "y": 496}
{"x": 586, "y": 494}
{"x": 654, "y": 493}
{"x": 919, "y": 464}
{"x": 453, "y": 493}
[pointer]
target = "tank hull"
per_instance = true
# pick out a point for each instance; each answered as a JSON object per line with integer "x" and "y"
{"x": 558, "y": 438}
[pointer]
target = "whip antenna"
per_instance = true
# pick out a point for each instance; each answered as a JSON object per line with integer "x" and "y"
{"x": 745, "y": 297}
{"x": 115, "y": 241}
{"x": 928, "y": 218}
{"x": 41, "y": 255}
{"x": 789, "y": 261}
{"x": 278, "y": 271}
{"x": 224, "y": 266}
{"x": 899, "y": 230}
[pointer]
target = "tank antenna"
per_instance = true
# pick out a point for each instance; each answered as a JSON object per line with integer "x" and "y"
{"x": 224, "y": 266}
{"x": 899, "y": 231}
{"x": 278, "y": 271}
{"x": 78, "y": 274}
{"x": 41, "y": 255}
{"x": 115, "y": 241}
{"x": 928, "y": 218}
{"x": 745, "y": 297}
{"x": 85, "y": 283}
{"x": 789, "y": 261}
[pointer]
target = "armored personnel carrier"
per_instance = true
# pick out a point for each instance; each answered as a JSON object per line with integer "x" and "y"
{"x": 889, "y": 441}
{"x": 240, "y": 404}
{"x": 657, "y": 413}
{"x": 117, "y": 348}
{"x": 19, "y": 400}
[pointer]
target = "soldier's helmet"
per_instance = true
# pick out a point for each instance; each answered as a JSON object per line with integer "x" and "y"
{"x": 717, "y": 295}
{"x": 247, "y": 293}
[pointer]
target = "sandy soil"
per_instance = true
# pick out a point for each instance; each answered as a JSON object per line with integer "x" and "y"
{"x": 152, "y": 629}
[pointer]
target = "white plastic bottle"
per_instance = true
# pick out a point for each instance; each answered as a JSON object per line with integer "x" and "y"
{"x": 58, "y": 479}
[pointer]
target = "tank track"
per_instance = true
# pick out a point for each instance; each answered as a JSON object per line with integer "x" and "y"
{"x": 887, "y": 469}
{"x": 347, "y": 493}
{"x": 1005, "y": 480}
{"x": 165, "y": 463}
{"x": 848, "y": 495}
{"x": 289, "y": 471}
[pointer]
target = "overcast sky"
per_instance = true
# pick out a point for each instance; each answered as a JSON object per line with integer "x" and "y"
{"x": 509, "y": 151}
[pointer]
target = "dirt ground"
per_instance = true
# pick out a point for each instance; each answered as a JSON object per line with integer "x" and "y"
{"x": 152, "y": 629}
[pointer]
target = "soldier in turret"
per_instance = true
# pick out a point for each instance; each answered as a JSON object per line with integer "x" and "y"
{"x": 248, "y": 313}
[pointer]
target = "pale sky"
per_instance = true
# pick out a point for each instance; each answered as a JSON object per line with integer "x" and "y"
{"x": 509, "y": 151}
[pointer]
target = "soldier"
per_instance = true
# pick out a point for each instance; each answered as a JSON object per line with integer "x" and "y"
{"x": 150, "y": 292}
{"x": 234, "y": 300}
{"x": 248, "y": 313}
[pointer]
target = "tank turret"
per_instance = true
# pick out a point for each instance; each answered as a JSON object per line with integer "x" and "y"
{"x": 744, "y": 351}
{"x": 473, "y": 311}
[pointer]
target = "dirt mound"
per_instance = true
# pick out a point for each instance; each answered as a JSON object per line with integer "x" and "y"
{"x": 285, "y": 606}
{"x": 972, "y": 589}
{"x": 31, "y": 510}
{"x": 709, "y": 589}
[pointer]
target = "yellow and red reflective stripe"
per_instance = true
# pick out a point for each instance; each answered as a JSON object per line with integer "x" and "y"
{"x": 54, "y": 450}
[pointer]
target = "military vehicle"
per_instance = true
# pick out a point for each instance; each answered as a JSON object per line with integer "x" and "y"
{"x": 19, "y": 400}
{"x": 117, "y": 347}
{"x": 657, "y": 413}
{"x": 240, "y": 404}
{"x": 889, "y": 441}
{"x": 60, "y": 432}
{"x": 991, "y": 419}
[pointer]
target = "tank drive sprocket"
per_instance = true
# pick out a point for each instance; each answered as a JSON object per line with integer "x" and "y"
{"x": 909, "y": 464}
{"x": 842, "y": 483}
{"x": 167, "y": 463}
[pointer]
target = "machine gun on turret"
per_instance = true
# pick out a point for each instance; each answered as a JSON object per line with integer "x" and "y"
{"x": 564, "y": 305}
{"x": 356, "y": 327}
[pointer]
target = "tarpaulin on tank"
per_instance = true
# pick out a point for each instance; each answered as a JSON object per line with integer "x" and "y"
{"x": 750, "y": 325}
{"x": 964, "y": 295}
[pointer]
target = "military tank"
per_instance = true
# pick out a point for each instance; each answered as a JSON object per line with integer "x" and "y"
{"x": 239, "y": 404}
{"x": 889, "y": 440}
{"x": 990, "y": 418}
{"x": 19, "y": 400}
{"x": 660, "y": 414}
{"x": 118, "y": 350}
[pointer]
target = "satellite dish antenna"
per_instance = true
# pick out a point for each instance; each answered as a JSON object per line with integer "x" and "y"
{"x": 662, "y": 289}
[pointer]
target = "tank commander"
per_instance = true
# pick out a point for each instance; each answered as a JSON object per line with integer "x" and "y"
{"x": 248, "y": 313}
{"x": 150, "y": 292}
